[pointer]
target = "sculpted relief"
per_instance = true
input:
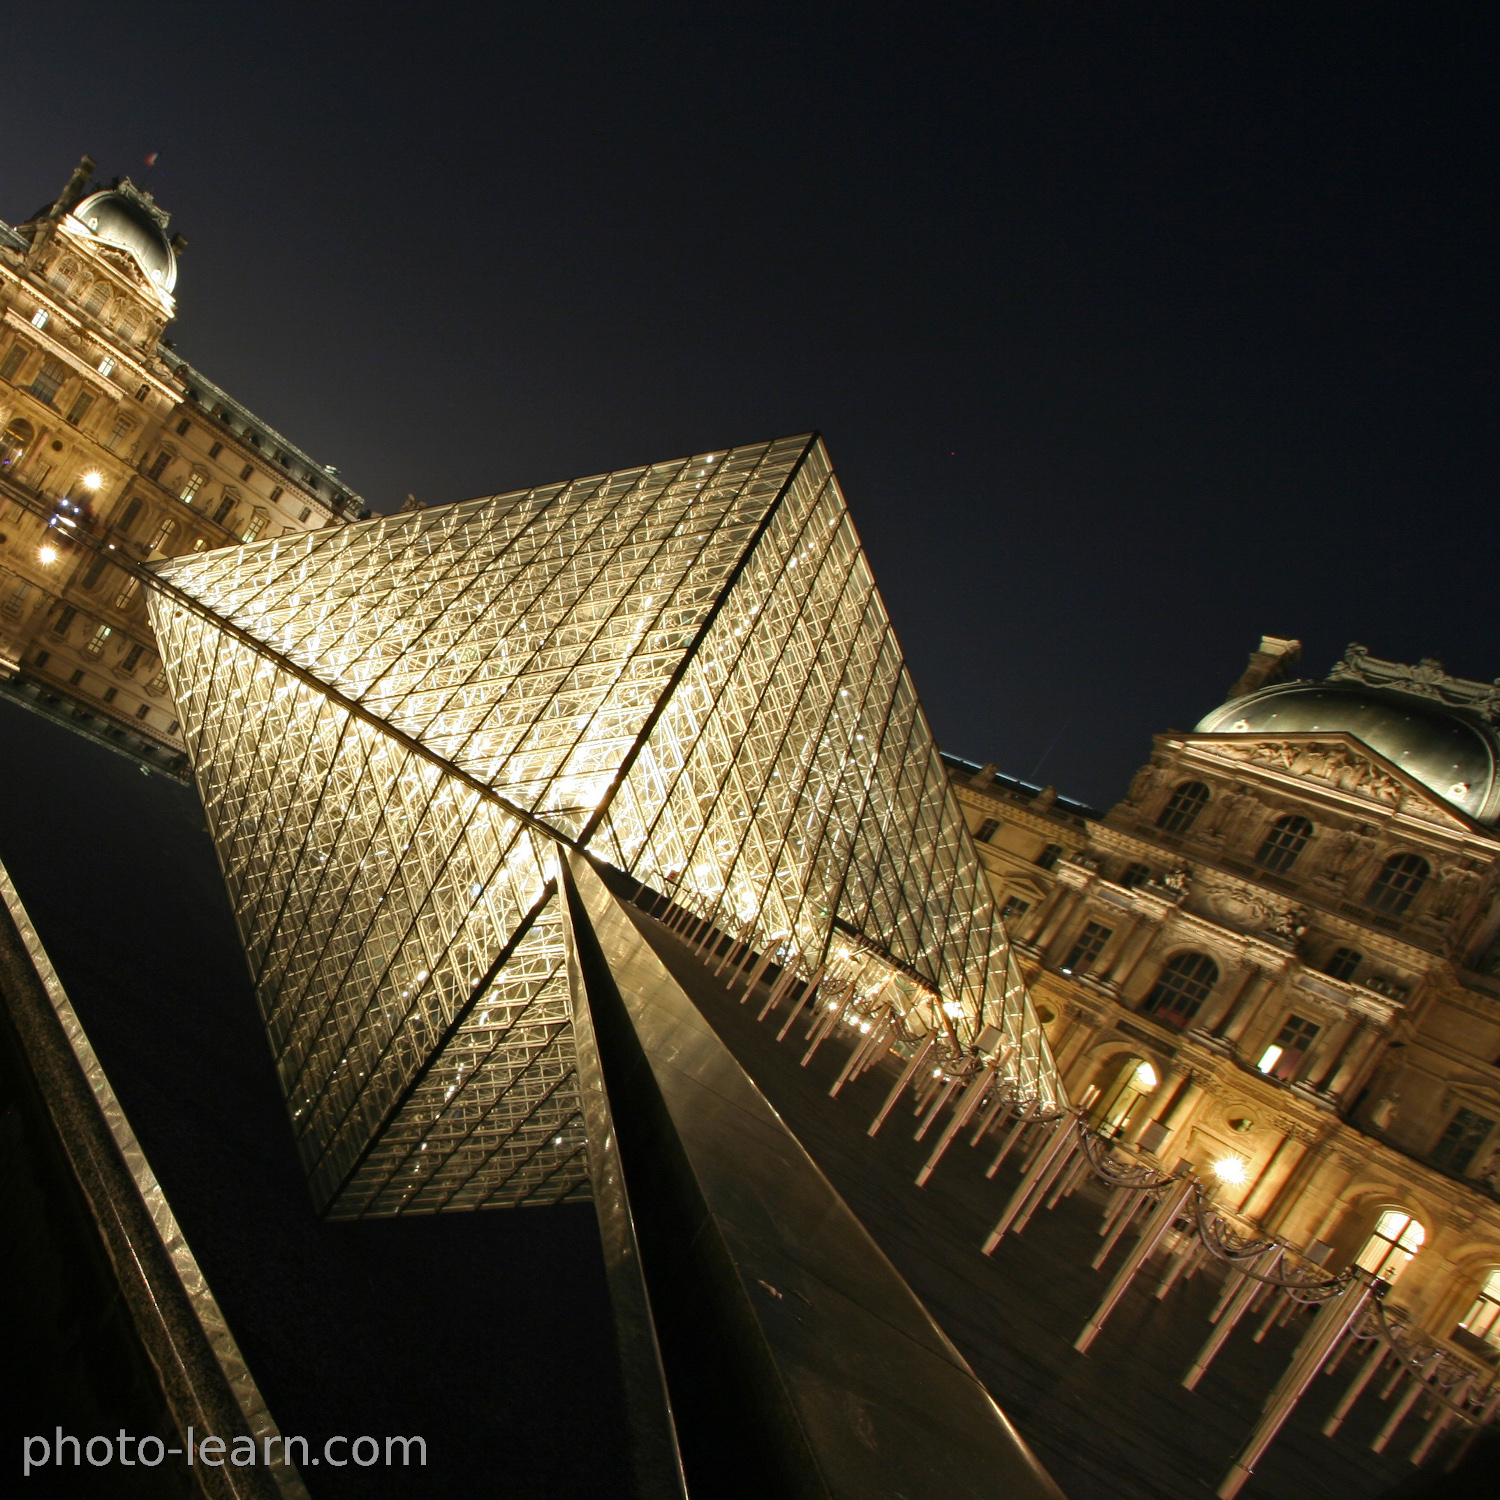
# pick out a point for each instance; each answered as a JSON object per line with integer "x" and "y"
{"x": 1336, "y": 764}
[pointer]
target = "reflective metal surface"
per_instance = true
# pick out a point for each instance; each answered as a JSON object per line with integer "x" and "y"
{"x": 204, "y": 1376}
{"x": 800, "y": 1363}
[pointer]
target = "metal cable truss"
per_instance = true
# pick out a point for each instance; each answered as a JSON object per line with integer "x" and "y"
{"x": 685, "y": 668}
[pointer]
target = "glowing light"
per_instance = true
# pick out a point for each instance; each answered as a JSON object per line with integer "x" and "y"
{"x": 952, "y": 1008}
{"x": 1269, "y": 1058}
{"x": 1230, "y": 1169}
{"x": 93, "y": 480}
{"x": 1145, "y": 1076}
{"x": 47, "y": 555}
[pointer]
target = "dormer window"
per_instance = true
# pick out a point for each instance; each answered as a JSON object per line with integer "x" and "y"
{"x": 1182, "y": 809}
{"x": 98, "y": 296}
{"x": 1286, "y": 840}
{"x": 1396, "y": 887}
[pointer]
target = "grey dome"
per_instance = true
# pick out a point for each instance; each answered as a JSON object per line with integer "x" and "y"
{"x": 1450, "y": 751}
{"x": 118, "y": 221}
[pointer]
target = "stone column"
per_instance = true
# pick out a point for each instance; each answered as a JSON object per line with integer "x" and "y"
{"x": 1175, "y": 1113}
{"x": 1129, "y": 954}
{"x": 1350, "y": 1064}
{"x": 1327, "y": 1053}
{"x": 1232, "y": 1023}
{"x": 1063, "y": 908}
{"x": 1273, "y": 1176}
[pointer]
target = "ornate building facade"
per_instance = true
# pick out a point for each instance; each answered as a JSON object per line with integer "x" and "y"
{"x": 1276, "y": 958}
{"x": 105, "y": 431}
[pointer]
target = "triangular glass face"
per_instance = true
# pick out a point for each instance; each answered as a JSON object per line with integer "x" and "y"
{"x": 685, "y": 668}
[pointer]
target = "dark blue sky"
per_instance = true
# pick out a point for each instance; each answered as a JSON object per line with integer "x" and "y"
{"x": 1134, "y": 331}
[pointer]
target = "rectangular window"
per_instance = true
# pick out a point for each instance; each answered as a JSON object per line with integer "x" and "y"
{"x": 184, "y": 427}
{"x": 306, "y": 512}
{"x": 75, "y": 679}
{"x": 216, "y": 450}
{"x": 106, "y": 366}
{"x": 94, "y": 646}
{"x": 39, "y": 318}
{"x": 191, "y": 488}
{"x": 48, "y": 381}
{"x": 982, "y": 833}
{"x": 144, "y": 391}
{"x": 80, "y": 407}
{"x": 17, "y": 597}
{"x": 173, "y": 727}
{"x": 41, "y": 658}
{"x": 143, "y": 710}
{"x": 1134, "y": 875}
{"x": 275, "y": 494}
{"x": 1285, "y": 1056}
{"x": 256, "y": 526}
{"x": 246, "y": 472}
{"x": 158, "y": 464}
{"x": 109, "y": 694}
{"x": 118, "y": 431}
{"x": 91, "y": 574}
{"x": 14, "y": 359}
{"x": 132, "y": 657}
{"x": 1087, "y": 949}
{"x": 1050, "y": 856}
{"x": 1014, "y": 909}
{"x": 64, "y": 620}
{"x": 1459, "y": 1144}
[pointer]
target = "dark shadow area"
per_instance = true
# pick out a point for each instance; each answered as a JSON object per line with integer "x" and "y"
{"x": 1114, "y": 1424}
{"x": 488, "y": 1335}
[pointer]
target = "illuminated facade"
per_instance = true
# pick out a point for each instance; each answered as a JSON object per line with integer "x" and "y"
{"x": 105, "y": 431}
{"x": 685, "y": 669}
{"x": 1280, "y": 951}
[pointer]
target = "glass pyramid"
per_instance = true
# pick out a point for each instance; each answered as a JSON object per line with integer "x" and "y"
{"x": 685, "y": 668}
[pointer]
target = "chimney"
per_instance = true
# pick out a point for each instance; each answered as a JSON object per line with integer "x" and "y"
{"x": 74, "y": 191}
{"x": 1267, "y": 665}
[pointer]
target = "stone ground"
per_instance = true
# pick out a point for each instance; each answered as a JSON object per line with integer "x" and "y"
{"x": 1114, "y": 1424}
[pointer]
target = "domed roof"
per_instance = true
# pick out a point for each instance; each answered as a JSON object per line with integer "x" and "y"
{"x": 1452, "y": 751}
{"x": 122, "y": 221}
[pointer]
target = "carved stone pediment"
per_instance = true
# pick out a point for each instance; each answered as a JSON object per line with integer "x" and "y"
{"x": 1338, "y": 762}
{"x": 1240, "y": 904}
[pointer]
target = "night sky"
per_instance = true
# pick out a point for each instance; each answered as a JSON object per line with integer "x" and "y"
{"x": 1135, "y": 331}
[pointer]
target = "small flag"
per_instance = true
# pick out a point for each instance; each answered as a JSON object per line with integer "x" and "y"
{"x": 151, "y": 160}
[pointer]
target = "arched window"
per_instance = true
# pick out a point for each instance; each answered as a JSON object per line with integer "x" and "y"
{"x": 1181, "y": 988}
{"x": 62, "y": 277}
{"x": 16, "y": 440}
{"x": 1396, "y": 1238}
{"x": 130, "y": 320}
{"x": 99, "y": 294}
{"x": 1182, "y": 810}
{"x": 1396, "y": 887}
{"x": 1343, "y": 963}
{"x": 1482, "y": 1321}
{"x": 1286, "y": 840}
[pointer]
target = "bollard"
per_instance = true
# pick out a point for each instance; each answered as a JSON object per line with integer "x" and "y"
{"x": 1061, "y": 1138}
{"x": 1419, "y": 1378}
{"x": 1336, "y": 1316}
{"x": 1172, "y": 1204}
{"x": 962, "y": 1114}
{"x": 1230, "y": 1312}
{"x": 1362, "y": 1378}
{"x": 918, "y": 1058}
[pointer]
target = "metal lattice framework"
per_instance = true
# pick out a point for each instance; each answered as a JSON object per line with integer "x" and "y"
{"x": 686, "y": 668}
